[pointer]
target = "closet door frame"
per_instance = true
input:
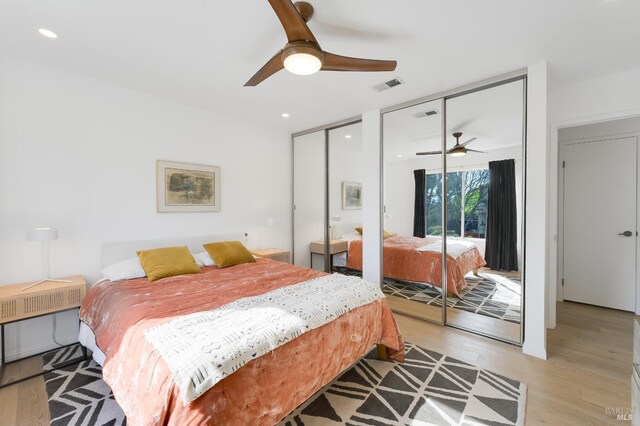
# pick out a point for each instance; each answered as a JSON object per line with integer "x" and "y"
{"x": 523, "y": 200}
{"x": 519, "y": 75}
{"x": 326, "y": 129}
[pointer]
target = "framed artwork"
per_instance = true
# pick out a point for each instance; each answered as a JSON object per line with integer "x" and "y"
{"x": 185, "y": 187}
{"x": 351, "y": 196}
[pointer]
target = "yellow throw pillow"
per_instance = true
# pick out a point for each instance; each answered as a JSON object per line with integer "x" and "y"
{"x": 385, "y": 235}
{"x": 229, "y": 253}
{"x": 167, "y": 262}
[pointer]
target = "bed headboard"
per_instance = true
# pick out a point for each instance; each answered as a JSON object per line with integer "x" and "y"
{"x": 340, "y": 228}
{"x": 116, "y": 252}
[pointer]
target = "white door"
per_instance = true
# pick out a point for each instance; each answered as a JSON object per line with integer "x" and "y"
{"x": 600, "y": 204}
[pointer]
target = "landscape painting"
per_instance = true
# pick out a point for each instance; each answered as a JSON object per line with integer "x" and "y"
{"x": 351, "y": 196}
{"x": 184, "y": 187}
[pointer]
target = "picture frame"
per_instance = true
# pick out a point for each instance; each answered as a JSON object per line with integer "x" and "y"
{"x": 187, "y": 187}
{"x": 351, "y": 196}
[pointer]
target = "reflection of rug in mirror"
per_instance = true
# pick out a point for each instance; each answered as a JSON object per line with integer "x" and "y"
{"x": 489, "y": 294}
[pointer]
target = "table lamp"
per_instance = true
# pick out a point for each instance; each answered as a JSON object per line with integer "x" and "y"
{"x": 44, "y": 235}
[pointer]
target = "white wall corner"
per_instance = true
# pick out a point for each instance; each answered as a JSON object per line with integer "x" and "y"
{"x": 535, "y": 351}
{"x": 536, "y": 249}
{"x": 371, "y": 197}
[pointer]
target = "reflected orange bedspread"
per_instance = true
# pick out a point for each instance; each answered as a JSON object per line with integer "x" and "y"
{"x": 260, "y": 393}
{"x": 402, "y": 261}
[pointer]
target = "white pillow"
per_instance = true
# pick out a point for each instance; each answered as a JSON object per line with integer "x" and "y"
{"x": 125, "y": 270}
{"x": 351, "y": 236}
{"x": 203, "y": 259}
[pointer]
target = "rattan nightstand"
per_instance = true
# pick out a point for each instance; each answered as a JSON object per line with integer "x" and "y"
{"x": 335, "y": 247}
{"x": 274, "y": 254}
{"x": 21, "y": 302}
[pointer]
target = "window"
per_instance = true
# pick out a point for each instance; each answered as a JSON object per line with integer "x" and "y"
{"x": 467, "y": 198}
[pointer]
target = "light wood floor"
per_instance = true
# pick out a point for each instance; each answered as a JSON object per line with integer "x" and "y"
{"x": 588, "y": 370}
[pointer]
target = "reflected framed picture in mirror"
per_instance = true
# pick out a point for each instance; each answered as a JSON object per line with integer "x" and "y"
{"x": 351, "y": 196}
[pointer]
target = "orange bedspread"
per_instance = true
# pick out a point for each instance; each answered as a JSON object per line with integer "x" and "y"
{"x": 260, "y": 393}
{"x": 402, "y": 261}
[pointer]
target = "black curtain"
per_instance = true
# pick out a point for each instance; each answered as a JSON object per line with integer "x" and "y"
{"x": 418, "y": 208}
{"x": 501, "y": 251}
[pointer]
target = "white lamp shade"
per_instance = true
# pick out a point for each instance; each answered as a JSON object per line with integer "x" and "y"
{"x": 42, "y": 234}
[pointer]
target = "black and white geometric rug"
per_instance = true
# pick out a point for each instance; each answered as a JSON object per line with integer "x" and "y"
{"x": 77, "y": 394}
{"x": 429, "y": 388}
{"x": 491, "y": 295}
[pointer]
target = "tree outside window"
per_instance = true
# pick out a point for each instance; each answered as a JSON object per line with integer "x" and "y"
{"x": 467, "y": 200}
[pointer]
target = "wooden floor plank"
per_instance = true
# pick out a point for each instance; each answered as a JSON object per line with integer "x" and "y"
{"x": 588, "y": 370}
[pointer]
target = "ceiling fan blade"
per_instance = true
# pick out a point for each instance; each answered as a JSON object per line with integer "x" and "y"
{"x": 475, "y": 150}
{"x": 468, "y": 142}
{"x": 334, "y": 62}
{"x": 294, "y": 25}
{"x": 270, "y": 68}
{"x": 429, "y": 153}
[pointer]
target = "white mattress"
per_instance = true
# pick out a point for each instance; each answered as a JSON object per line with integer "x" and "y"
{"x": 88, "y": 340}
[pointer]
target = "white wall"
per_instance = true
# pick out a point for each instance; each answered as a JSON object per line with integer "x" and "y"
{"x": 536, "y": 214}
{"x": 372, "y": 201}
{"x": 80, "y": 155}
{"x": 582, "y": 102}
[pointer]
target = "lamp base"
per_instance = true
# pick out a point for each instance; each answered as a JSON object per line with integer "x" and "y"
{"x": 43, "y": 281}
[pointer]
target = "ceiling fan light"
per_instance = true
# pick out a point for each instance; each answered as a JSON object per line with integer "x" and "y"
{"x": 302, "y": 58}
{"x": 458, "y": 152}
{"x": 302, "y": 64}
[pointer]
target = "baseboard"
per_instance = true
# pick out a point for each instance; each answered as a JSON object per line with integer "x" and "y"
{"x": 535, "y": 351}
{"x": 36, "y": 349}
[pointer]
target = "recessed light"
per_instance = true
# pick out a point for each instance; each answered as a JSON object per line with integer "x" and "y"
{"x": 399, "y": 155}
{"x": 348, "y": 136}
{"x": 285, "y": 115}
{"x": 47, "y": 33}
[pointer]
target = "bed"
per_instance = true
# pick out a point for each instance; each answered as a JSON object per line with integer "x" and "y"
{"x": 420, "y": 260}
{"x": 116, "y": 315}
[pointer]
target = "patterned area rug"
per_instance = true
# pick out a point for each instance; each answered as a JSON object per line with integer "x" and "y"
{"x": 429, "y": 388}
{"x": 490, "y": 295}
{"x": 77, "y": 395}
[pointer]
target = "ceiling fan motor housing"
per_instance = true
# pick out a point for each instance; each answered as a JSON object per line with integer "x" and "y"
{"x": 302, "y": 47}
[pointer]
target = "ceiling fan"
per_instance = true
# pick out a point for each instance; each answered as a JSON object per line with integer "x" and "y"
{"x": 302, "y": 54}
{"x": 458, "y": 150}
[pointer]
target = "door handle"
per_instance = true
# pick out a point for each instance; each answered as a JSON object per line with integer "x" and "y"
{"x": 626, "y": 234}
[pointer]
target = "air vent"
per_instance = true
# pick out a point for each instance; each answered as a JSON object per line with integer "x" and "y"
{"x": 388, "y": 85}
{"x": 429, "y": 113}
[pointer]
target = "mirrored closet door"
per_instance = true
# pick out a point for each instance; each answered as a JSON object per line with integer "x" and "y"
{"x": 345, "y": 199}
{"x": 309, "y": 193}
{"x": 412, "y": 253}
{"x": 485, "y": 204}
{"x": 327, "y": 216}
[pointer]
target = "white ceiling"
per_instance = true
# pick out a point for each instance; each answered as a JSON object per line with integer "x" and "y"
{"x": 201, "y": 52}
{"x": 493, "y": 116}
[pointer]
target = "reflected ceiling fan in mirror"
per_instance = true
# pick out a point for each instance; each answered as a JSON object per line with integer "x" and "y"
{"x": 302, "y": 54}
{"x": 458, "y": 150}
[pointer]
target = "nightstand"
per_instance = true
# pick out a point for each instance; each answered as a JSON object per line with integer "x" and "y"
{"x": 274, "y": 254}
{"x": 335, "y": 247}
{"x": 18, "y": 303}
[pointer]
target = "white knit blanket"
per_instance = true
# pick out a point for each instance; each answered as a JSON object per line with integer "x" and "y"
{"x": 455, "y": 248}
{"x": 203, "y": 348}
